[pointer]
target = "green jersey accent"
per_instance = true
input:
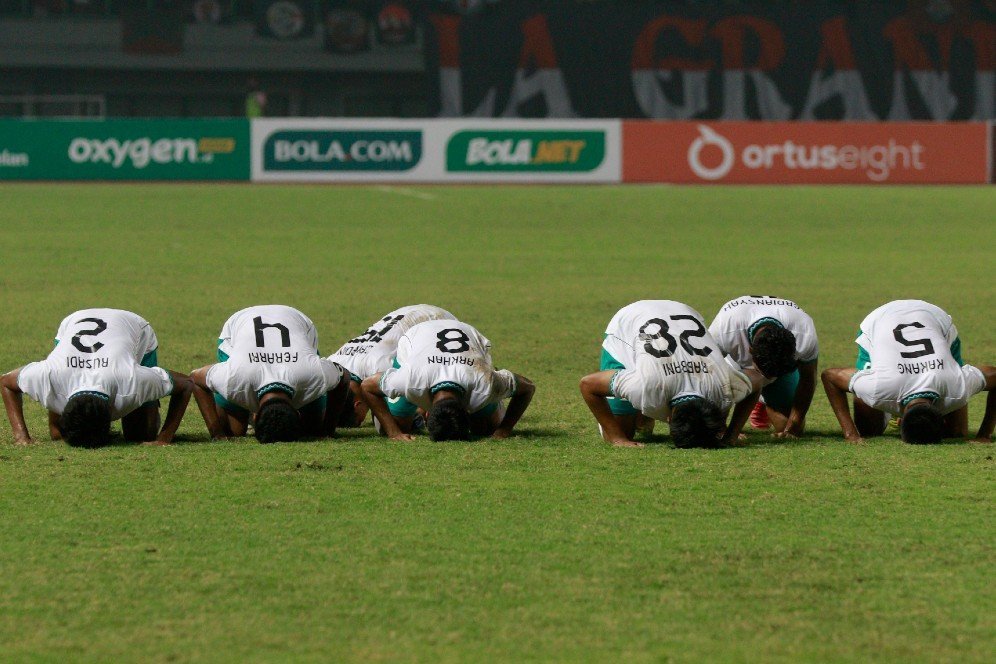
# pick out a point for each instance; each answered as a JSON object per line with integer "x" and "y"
{"x": 956, "y": 351}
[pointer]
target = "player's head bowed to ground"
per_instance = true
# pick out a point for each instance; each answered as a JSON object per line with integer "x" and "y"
{"x": 103, "y": 368}
{"x": 778, "y": 338}
{"x": 660, "y": 363}
{"x": 444, "y": 368}
{"x": 270, "y": 370}
{"x": 909, "y": 366}
{"x": 373, "y": 352}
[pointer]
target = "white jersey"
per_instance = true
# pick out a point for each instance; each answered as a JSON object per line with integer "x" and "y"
{"x": 98, "y": 350}
{"x": 271, "y": 344}
{"x": 731, "y": 327}
{"x": 909, "y": 343}
{"x": 373, "y": 351}
{"x": 437, "y": 352}
{"x": 668, "y": 353}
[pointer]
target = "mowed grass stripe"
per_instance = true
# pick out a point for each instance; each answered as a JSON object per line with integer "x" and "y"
{"x": 547, "y": 546}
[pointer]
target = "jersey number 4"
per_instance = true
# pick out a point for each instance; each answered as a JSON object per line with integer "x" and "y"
{"x": 664, "y": 332}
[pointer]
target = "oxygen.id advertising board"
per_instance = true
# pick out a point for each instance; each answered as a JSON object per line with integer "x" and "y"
{"x": 330, "y": 150}
{"x": 124, "y": 150}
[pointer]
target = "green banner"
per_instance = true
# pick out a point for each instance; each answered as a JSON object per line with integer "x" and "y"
{"x": 525, "y": 151}
{"x": 124, "y": 150}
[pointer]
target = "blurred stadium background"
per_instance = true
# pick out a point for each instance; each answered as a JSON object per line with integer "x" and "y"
{"x": 703, "y": 59}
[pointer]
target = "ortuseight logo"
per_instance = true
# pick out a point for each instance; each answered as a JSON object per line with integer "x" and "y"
{"x": 525, "y": 151}
{"x": 342, "y": 150}
{"x": 877, "y": 161}
{"x": 708, "y": 137}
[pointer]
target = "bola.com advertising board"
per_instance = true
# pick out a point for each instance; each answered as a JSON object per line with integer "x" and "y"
{"x": 336, "y": 150}
{"x": 806, "y": 152}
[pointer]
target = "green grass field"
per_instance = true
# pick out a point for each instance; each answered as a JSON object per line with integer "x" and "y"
{"x": 548, "y": 546}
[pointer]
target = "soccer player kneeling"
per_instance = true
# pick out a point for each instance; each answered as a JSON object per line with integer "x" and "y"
{"x": 778, "y": 338}
{"x": 373, "y": 352}
{"x": 270, "y": 369}
{"x": 444, "y": 367}
{"x": 909, "y": 365}
{"x": 660, "y": 362}
{"x": 103, "y": 368}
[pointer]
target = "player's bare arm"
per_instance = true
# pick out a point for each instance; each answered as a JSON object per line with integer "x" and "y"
{"x": 183, "y": 387}
{"x": 985, "y": 433}
{"x": 595, "y": 388}
{"x": 13, "y": 402}
{"x": 337, "y": 400}
{"x": 741, "y": 412}
{"x": 205, "y": 403}
{"x": 517, "y": 405}
{"x": 370, "y": 389}
{"x": 54, "y": 426}
{"x": 795, "y": 424}
{"x": 835, "y": 383}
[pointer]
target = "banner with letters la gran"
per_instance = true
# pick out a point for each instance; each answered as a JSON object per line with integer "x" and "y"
{"x": 747, "y": 60}
{"x": 388, "y": 150}
{"x": 806, "y": 152}
{"x": 124, "y": 149}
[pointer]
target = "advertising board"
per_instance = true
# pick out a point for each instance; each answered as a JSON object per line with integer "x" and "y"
{"x": 805, "y": 152}
{"x": 124, "y": 150}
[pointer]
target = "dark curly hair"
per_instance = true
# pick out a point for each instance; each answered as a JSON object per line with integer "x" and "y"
{"x": 697, "y": 423}
{"x": 276, "y": 421}
{"x": 922, "y": 424}
{"x": 448, "y": 420}
{"x": 86, "y": 421}
{"x": 773, "y": 348}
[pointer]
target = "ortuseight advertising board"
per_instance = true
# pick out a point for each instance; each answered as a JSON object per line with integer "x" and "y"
{"x": 335, "y": 150}
{"x": 124, "y": 150}
{"x": 806, "y": 152}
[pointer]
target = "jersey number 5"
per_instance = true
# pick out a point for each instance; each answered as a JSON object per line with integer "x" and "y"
{"x": 926, "y": 348}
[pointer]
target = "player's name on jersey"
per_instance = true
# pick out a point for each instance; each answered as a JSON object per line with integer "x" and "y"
{"x": 441, "y": 359}
{"x": 354, "y": 350}
{"x": 685, "y": 367}
{"x": 87, "y": 362}
{"x": 761, "y": 302}
{"x": 920, "y": 367}
{"x": 273, "y": 358}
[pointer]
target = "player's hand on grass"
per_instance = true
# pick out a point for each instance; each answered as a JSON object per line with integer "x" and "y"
{"x": 740, "y": 440}
{"x": 404, "y": 437}
{"x": 855, "y": 439}
{"x": 982, "y": 440}
{"x": 156, "y": 443}
{"x": 501, "y": 434}
{"x": 24, "y": 440}
{"x": 624, "y": 442}
{"x": 787, "y": 435}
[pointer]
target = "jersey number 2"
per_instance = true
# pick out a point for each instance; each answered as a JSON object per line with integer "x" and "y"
{"x": 78, "y": 343}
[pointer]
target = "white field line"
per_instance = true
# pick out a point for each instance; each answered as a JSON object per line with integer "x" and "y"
{"x": 407, "y": 191}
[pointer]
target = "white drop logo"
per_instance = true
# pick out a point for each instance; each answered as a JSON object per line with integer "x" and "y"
{"x": 709, "y": 137}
